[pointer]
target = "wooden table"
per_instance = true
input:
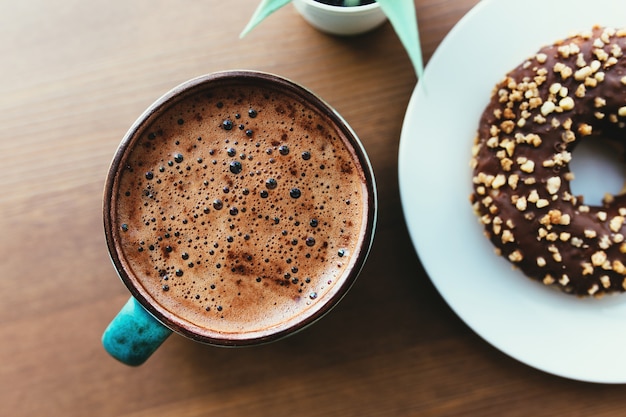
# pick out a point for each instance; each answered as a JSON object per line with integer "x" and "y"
{"x": 74, "y": 76}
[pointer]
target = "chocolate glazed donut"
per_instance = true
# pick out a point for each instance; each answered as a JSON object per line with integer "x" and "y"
{"x": 571, "y": 91}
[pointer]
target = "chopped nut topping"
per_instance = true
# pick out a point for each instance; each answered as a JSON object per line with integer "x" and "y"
{"x": 605, "y": 281}
{"x": 555, "y": 88}
{"x": 567, "y": 103}
{"x": 598, "y": 258}
{"x": 567, "y": 124}
{"x": 590, "y": 234}
{"x": 498, "y": 181}
{"x": 556, "y": 255}
{"x": 555, "y": 216}
{"x": 508, "y": 114}
{"x": 595, "y": 65}
{"x": 601, "y": 54}
{"x": 583, "y": 73}
{"x": 497, "y": 225}
{"x": 555, "y": 122}
{"x": 516, "y": 256}
{"x": 566, "y": 72}
{"x": 577, "y": 242}
{"x": 584, "y": 129}
{"x": 553, "y": 185}
{"x": 534, "y": 102}
{"x": 605, "y": 242}
{"x": 587, "y": 268}
{"x": 568, "y": 136}
{"x": 547, "y": 108}
{"x": 568, "y": 50}
{"x": 507, "y": 126}
{"x": 528, "y": 166}
{"x": 509, "y": 145}
{"x": 507, "y": 236}
{"x": 616, "y": 223}
{"x": 616, "y": 50}
{"x": 610, "y": 62}
{"x": 606, "y": 34}
{"x": 619, "y": 267}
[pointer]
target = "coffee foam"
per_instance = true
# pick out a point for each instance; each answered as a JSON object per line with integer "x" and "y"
{"x": 240, "y": 208}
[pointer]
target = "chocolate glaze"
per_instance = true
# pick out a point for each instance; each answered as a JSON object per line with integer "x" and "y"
{"x": 527, "y": 208}
{"x": 207, "y": 244}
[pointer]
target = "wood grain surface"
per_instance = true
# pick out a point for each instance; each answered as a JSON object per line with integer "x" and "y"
{"x": 74, "y": 75}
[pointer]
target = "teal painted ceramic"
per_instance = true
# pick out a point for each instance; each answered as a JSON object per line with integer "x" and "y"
{"x": 134, "y": 334}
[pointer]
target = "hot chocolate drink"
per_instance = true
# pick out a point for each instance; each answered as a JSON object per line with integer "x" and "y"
{"x": 239, "y": 208}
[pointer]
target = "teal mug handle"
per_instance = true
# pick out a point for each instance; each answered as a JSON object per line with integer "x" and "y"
{"x": 134, "y": 334}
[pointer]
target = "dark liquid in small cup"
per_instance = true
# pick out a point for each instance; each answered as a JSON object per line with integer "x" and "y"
{"x": 239, "y": 209}
{"x": 345, "y": 3}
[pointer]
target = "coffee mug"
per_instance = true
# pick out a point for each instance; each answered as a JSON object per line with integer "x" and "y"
{"x": 238, "y": 209}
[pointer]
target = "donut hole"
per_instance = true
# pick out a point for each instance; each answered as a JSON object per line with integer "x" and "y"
{"x": 599, "y": 168}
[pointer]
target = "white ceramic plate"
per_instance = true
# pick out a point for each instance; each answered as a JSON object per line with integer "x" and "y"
{"x": 559, "y": 334}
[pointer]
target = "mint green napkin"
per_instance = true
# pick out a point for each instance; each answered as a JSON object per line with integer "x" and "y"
{"x": 401, "y": 14}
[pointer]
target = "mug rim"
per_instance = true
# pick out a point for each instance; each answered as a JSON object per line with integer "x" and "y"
{"x": 294, "y": 323}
